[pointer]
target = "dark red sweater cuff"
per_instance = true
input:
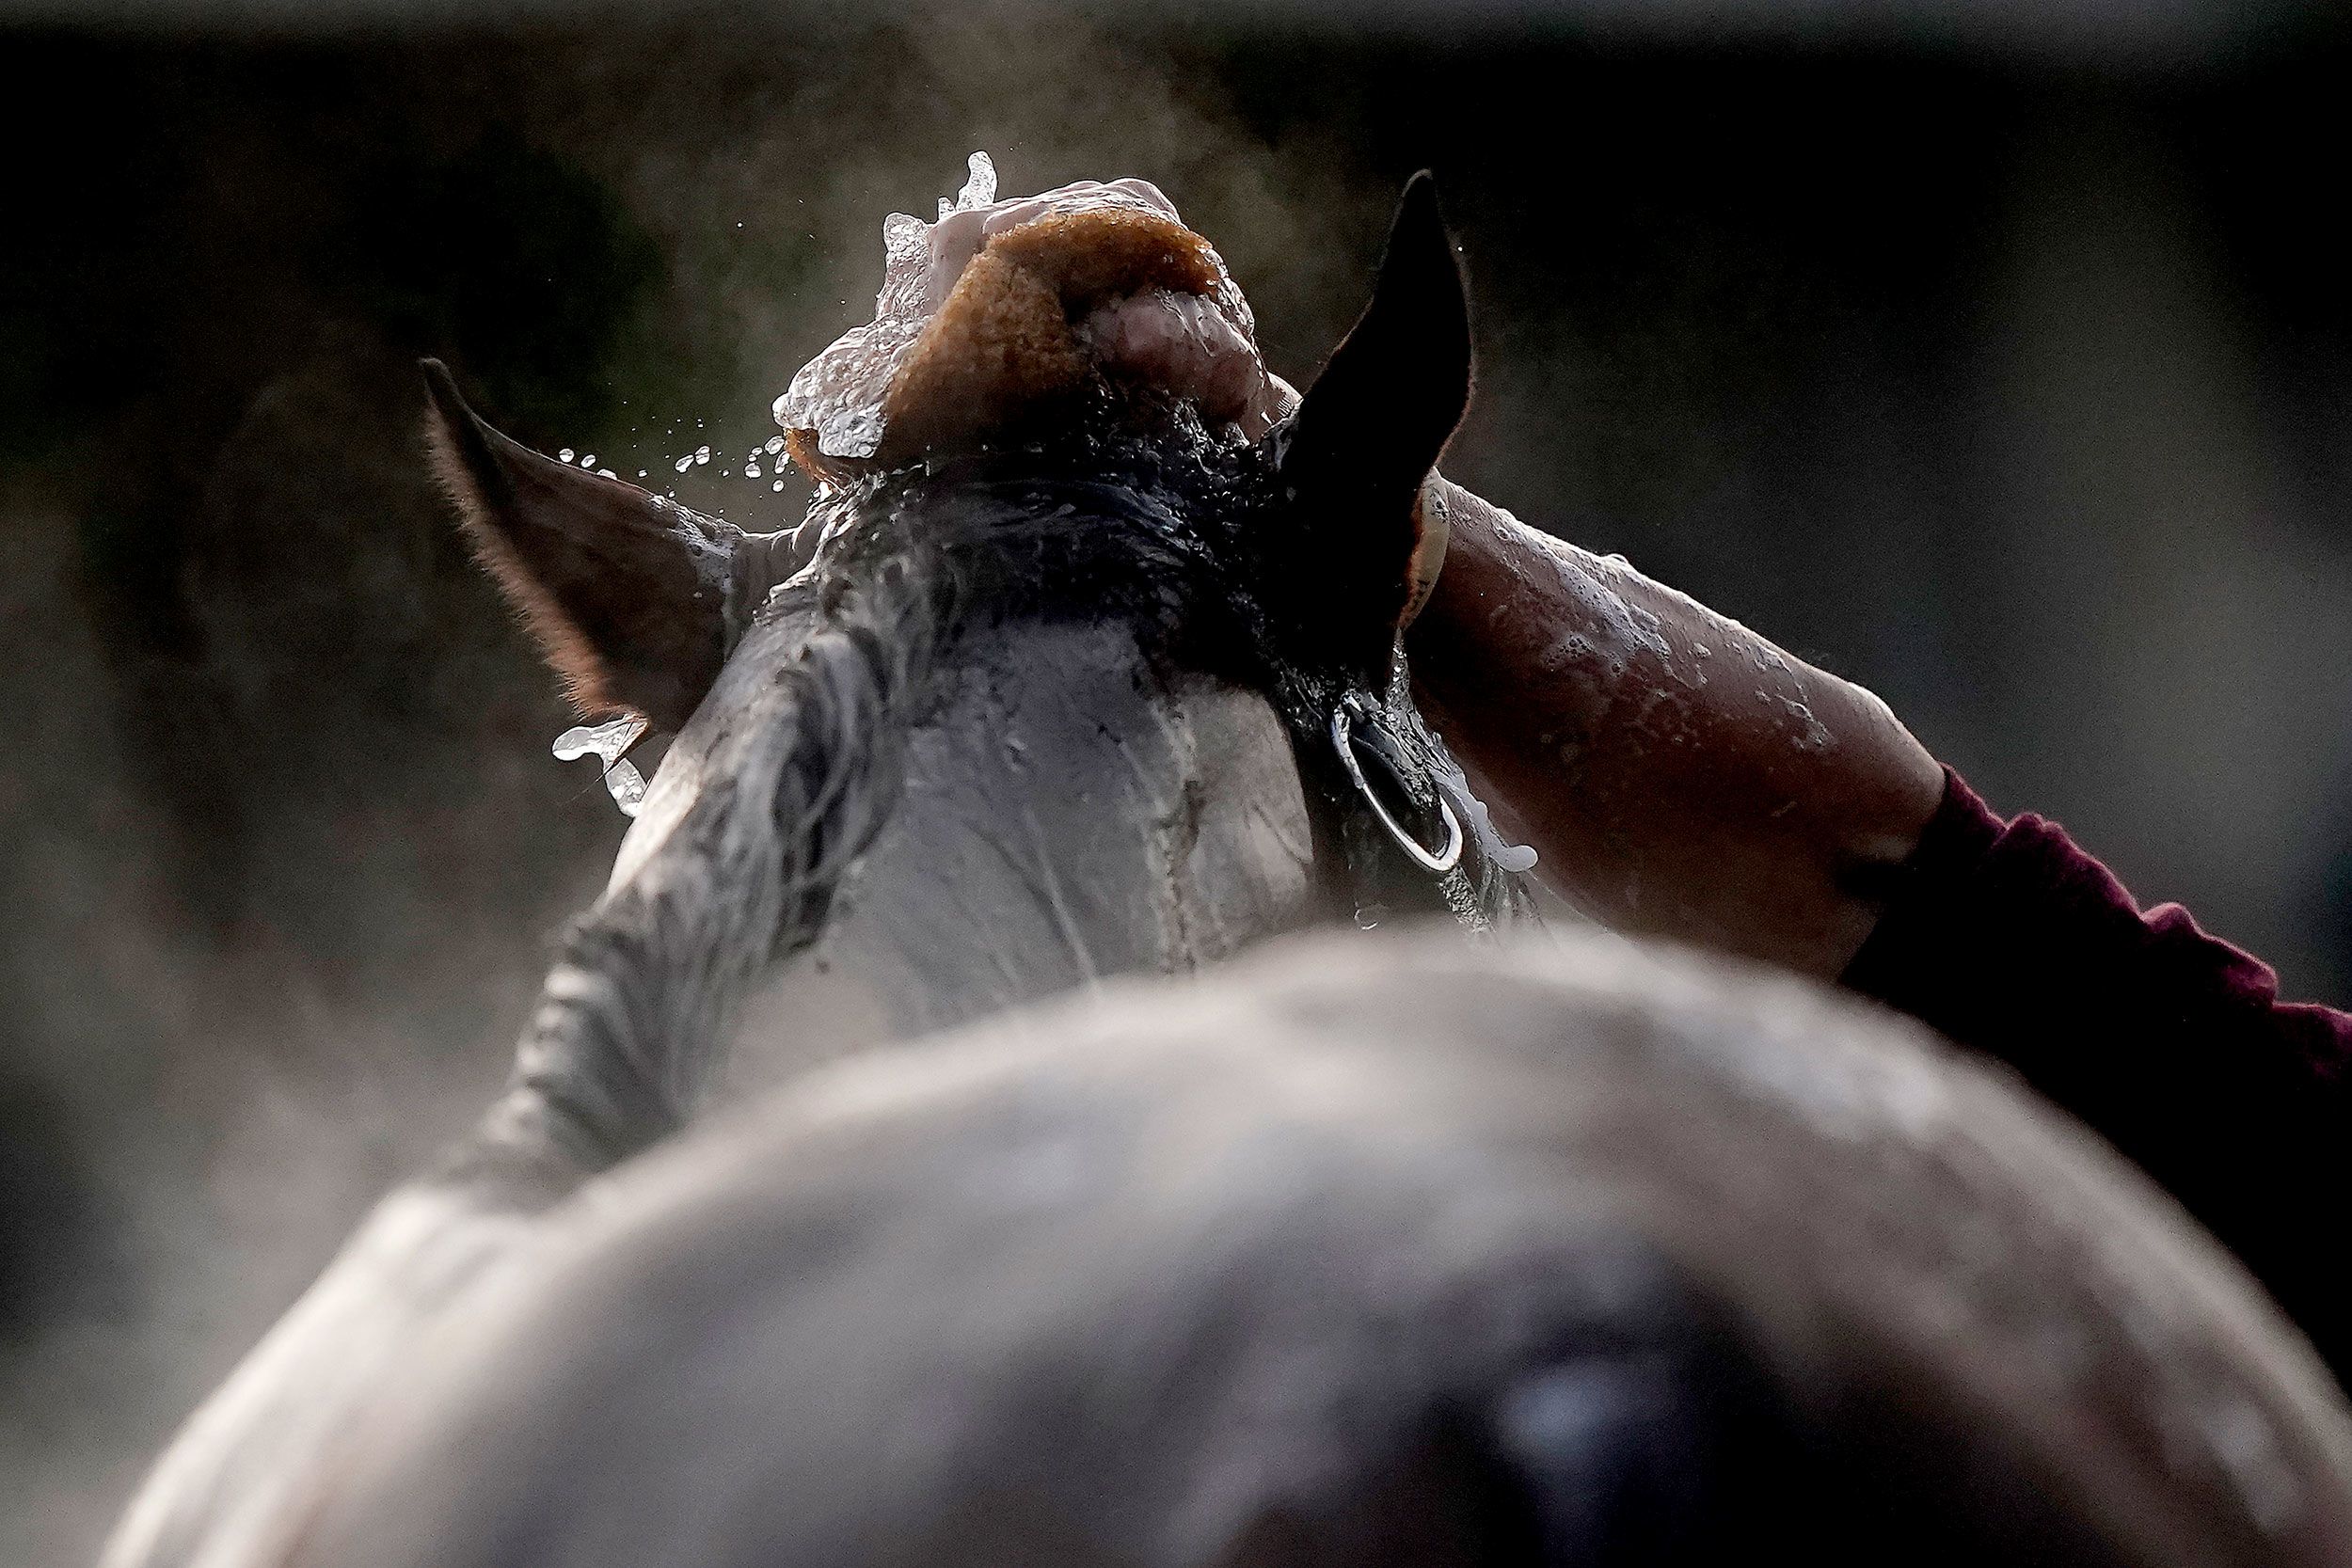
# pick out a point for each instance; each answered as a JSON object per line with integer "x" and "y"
{"x": 2170, "y": 1042}
{"x": 1998, "y": 930}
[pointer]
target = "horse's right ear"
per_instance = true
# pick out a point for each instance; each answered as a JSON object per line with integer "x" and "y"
{"x": 628, "y": 595}
{"x": 1361, "y": 545}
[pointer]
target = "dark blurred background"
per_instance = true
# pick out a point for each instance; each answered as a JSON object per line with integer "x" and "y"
{"x": 1990, "y": 354}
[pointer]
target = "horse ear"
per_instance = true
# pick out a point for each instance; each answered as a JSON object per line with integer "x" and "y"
{"x": 628, "y": 595}
{"x": 1369, "y": 431}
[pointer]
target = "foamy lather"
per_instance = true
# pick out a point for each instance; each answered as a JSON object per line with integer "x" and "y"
{"x": 999, "y": 306}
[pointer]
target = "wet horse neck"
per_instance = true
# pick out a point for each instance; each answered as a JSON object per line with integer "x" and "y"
{"x": 1073, "y": 810}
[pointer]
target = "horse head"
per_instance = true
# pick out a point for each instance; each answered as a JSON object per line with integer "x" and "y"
{"x": 1068, "y": 684}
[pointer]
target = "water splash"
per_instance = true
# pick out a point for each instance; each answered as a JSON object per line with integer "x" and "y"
{"x": 605, "y": 742}
{"x": 837, "y": 397}
{"x": 905, "y": 236}
{"x": 979, "y": 188}
{"x": 1517, "y": 859}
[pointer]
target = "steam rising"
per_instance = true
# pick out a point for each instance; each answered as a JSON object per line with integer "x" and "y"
{"x": 285, "y": 845}
{"x": 976, "y": 311}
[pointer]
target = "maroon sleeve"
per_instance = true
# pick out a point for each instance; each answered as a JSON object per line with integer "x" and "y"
{"x": 2170, "y": 1043}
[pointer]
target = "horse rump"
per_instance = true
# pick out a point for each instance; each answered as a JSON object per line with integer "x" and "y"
{"x": 1371, "y": 1251}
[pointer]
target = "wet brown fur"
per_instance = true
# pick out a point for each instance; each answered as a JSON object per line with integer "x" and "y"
{"x": 1004, "y": 347}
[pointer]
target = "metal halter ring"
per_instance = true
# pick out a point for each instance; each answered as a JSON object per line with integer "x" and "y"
{"x": 1438, "y": 865}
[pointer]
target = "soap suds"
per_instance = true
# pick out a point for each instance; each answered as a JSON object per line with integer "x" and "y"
{"x": 999, "y": 307}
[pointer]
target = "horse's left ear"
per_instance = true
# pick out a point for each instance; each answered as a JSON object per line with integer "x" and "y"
{"x": 631, "y": 597}
{"x": 1362, "y": 542}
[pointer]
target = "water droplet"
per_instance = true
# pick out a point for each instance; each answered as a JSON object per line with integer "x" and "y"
{"x": 683, "y": 463}
{"x": 751, "y": 468}
{"x": 904, "y": 236}
{"x": 778, "y": 485}
{"x": 775, "y": 445}
{"x": 1368, "y": 916}
{"x": 702, "y": 454}
{"x": 605, "y": 742}
{"x": 606, "y": 473}
{"x": 566, "y": 454}
{"x": 627, "y": 786}
{"x": 980, "y": 188}
{"x": 589, "y": 460}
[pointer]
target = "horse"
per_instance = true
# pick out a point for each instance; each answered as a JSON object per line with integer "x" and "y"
{"x": 1366, "y": 1248}
{"x": 1123, "y": 697}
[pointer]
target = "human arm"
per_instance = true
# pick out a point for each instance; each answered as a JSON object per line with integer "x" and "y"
{"x": 1566, "y": 683}
{"x": 1677, "y": 774}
